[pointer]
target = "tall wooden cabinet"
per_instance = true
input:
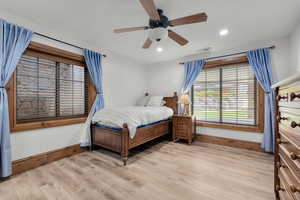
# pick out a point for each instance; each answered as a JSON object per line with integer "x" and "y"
{"x": 287, "y": 155}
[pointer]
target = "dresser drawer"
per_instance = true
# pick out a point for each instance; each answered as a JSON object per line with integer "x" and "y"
{"x": 289, "y": 119}
{"x": 291, "y": 137}
{"x": 284, "y": 192}
{"x": 290, "y": 155}
{"x": 285, "y": 189}
{"x": 286, "y": 163}
{"x": 289, "y": 96}
{"x": 288, "y": 182}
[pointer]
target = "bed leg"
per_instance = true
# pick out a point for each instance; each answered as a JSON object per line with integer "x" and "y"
{"x": 125, "y": 144}
{"x": 124, "y": 160}
{"x": 124, "y": 155}
{"x": 92, "y": 137}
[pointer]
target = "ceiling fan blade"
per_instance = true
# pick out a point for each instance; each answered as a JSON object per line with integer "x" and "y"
{"x": 201, "y": 17}
{"x": 150, "y": 8}
{"x": 177, "y": 38}
{"x": 123, "y": 30}
{"x": 147, "y": 44}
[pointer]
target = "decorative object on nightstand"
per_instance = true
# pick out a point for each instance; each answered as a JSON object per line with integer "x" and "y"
{"x": 183, "y": 128}
{"x": 185, "y": 100}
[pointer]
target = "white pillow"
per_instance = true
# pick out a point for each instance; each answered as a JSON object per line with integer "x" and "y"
{"x": 143, "y": 101}
{"x": 163, "y": 102}
{"x": 155, "y": 101}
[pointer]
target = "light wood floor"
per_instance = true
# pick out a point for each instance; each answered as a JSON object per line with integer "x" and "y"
{"x": 163, "y": 171}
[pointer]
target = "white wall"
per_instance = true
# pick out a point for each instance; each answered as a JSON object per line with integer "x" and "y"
{"x": 123, "y": 83}
{"x": 167, "y": 77}
{"x": 295, "y": 48}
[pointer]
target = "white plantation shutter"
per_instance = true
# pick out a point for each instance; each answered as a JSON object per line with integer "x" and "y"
{"x": 226, "y": 95}
{"x": 206, "y": 102}
{"x": 72, "y": 90}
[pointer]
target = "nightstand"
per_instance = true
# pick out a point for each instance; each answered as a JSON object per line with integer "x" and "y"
{"x": 182, "y": 128}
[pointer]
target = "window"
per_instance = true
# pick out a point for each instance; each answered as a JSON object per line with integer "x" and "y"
{"x": 50, "y": 87}
{"x": 227, "y": 95}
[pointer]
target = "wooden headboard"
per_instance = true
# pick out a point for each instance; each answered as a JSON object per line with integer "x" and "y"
{"x": 171, "y": 102}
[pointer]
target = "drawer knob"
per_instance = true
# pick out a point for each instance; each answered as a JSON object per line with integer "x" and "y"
{"x": 281, "y": 118}
{"x": 294, "y": 188}
{"x": 279, "y": 164}
{"x": 294, "y": 124}
{"x": 294, "y": 96}
{"x": 294, "y": 156}
{"x": 279, "y": 97}
{"x": 278, "y": 188}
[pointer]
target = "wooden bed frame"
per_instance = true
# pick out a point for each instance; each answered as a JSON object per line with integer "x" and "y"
{"x": 119, "y": 140}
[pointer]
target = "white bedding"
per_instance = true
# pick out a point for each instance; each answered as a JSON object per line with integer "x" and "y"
{"x": 134, "y": 116}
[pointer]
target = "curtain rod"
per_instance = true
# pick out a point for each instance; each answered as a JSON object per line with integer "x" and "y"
{"x": 234, "y": 54}
{"x": 45, "y": 36}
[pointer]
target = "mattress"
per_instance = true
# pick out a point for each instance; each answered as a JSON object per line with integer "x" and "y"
{"x": 134, "y": 116}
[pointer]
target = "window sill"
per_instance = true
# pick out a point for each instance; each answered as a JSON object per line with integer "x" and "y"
{"x": 253, "y": 129}
{"x": 26, "y": 126}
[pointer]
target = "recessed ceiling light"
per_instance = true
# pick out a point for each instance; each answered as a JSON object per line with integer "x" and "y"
{"x": 159, "y": 49}
{"x": 224, "y": 32}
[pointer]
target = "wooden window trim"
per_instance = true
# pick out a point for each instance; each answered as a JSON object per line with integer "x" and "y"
{"x": 259, "y": 128}
{"x": 239, "y": 60}
{"x": 58, "y": 55}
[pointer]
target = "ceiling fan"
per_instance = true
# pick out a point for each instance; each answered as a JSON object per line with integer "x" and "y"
{"x": 159, "y": 23}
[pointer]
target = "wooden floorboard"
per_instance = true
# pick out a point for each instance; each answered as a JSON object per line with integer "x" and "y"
{"x": 161, "y": 171}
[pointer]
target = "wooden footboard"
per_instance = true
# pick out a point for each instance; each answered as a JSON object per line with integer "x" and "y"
{"x": 149, "y": 133}
{"x": 114, "y": 140}
{"x": 119, "y": 140}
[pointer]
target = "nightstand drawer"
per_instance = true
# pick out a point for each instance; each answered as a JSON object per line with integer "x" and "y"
{"x": 180, "y": 131}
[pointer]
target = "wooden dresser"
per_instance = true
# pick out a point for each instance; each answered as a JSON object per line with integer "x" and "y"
{"x": 287, "y": 155}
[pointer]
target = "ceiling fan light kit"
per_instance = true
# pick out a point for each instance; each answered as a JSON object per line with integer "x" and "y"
{"x": 157, "y": 34}
{"x": 159, "y": 23}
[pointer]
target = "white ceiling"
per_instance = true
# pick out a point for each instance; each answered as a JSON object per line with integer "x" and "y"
{"x": 93, "y": 21}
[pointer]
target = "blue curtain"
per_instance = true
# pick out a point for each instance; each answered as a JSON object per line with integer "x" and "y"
{"x": 13, "y": 42}
{"x": 93, "y": 61}
{"x": 260, "y": 62}
{"x": 191, "y": 71}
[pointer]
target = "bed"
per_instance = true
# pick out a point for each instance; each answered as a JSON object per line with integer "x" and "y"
{"x": 119, "y": 140}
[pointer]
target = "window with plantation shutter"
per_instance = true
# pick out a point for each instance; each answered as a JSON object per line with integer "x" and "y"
{"x": 71, "y": 90}
{"x": 49, "y": 89}
{"x": 227, "y": 95}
